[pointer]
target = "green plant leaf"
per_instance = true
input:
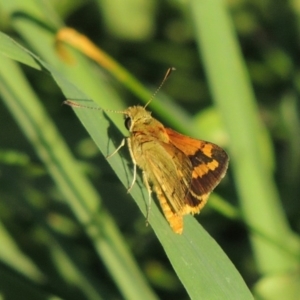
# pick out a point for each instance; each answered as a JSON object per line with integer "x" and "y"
{"x": 201, "y": 265}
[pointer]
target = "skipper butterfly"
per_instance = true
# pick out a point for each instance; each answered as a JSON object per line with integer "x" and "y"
{"x": 181, "y": 170}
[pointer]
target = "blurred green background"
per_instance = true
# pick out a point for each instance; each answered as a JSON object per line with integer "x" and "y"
{"x": 44, "y": 251}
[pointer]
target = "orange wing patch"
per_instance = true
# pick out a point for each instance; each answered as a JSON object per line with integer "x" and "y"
{"x": 209, "y": 163}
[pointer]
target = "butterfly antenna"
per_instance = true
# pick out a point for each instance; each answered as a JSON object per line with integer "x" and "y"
{"x": 78, "y": 105}
{"x": 168, "y": 73}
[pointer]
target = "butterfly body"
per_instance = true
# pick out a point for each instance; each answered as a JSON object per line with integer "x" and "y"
{"x": 181, "y": 170}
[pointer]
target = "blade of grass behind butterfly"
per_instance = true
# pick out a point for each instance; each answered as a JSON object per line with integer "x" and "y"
{"x": 134, "y": 85}
{"x": 199, "y": 270}
{"x": 250, "y": 147}
{"x": 199, "y": 263}
{"x": 194, "y": 254}
{"x": 207, "y": 266}
{"x": 62, "y": 167}
{"x": 206, "y": 280}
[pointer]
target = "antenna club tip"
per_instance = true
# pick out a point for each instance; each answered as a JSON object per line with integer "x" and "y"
{"x": 70, "y": 103}
{"x": 66, "y": 102}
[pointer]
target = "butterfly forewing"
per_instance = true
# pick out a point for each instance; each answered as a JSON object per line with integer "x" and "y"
{"x": 209, "y": 164}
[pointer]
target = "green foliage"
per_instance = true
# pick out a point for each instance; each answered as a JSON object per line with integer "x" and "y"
{"x": 59, "y": 216}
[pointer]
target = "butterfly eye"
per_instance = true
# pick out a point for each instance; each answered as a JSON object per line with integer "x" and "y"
{"x": 128, "y": 122}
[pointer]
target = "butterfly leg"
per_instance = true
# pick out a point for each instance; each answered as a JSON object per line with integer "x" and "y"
{"x": 134, "y": 166}
{"x": 120, "y": 146}
{"x": 146, "y": 182}
{"x": 133, "y": 179}
{"x": 133, "y": 160}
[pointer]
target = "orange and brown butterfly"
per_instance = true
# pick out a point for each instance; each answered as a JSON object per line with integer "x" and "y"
{"x": 181, "y": 170}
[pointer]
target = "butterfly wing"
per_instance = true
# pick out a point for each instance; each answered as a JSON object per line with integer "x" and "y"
{"x": 168, "y": 168}
{"x": 169, "y": 171}
{"x": 209, "y": 164}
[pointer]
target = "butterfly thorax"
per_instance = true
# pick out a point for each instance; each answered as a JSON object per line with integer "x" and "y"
{"x": 143, "y": 126}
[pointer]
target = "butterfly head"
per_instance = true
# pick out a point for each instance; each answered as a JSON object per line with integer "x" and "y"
{"x": 136, "y": 115}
